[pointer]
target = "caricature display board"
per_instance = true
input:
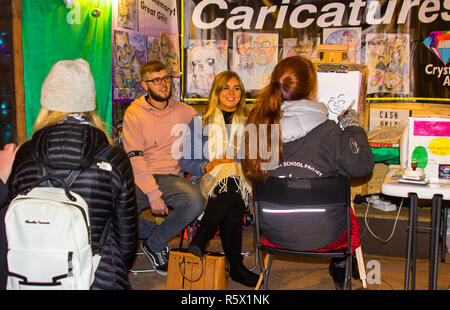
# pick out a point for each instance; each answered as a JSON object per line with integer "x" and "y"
{"x": 142, "y": 30}
{"x": 428, "y": 144}
{"x": 403, "y": 43}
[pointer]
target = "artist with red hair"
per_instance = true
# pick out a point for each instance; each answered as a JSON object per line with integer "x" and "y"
{"x": 310, "y": 145}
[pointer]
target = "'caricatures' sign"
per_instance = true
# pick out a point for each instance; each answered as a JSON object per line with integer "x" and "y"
{"x": 404, "y": 43}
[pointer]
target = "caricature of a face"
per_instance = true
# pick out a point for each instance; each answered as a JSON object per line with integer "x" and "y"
{"x": 377, "y": 45}
{"x": 123, "y": 8}
{"x": 244, "y": 44}
{"x": 349, "y": 39}
{"x": 203, "y": 61}
{"x": 164, "y": 46}
{"x": 135, "y": 65}
{"x": 304, "y": 48}
{"x": 153, "y": 50}
{"x": 392, "y": 82}
{"x": 155, "y": 47}
{"x": 336, "y": 104}
{"x": 263, "y": 50}
{"x": 123, "y": 50}
{"x": 172, "y": 63}
{"x": 397, "y": 48}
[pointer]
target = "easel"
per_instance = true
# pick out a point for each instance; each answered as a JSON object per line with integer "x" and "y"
{"x": 333, "y": 56}
{"x": 332, "y": 53}
{"x": 332, "y": 62}
{"x": 332, "y": 59}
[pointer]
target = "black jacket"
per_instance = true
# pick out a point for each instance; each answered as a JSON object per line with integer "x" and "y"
{"x": 327, "y": 151}
{"x": 106, "y": 178}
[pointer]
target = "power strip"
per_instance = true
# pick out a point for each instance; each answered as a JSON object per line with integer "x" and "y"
{"x": 379, "y": 204}
{"x": 385, "y": 206}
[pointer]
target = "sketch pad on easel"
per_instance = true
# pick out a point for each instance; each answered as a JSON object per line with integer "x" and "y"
{"x": 337, "y": 90}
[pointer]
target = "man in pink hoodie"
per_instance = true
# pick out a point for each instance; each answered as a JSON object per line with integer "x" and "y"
{"x": 148, "y": 140}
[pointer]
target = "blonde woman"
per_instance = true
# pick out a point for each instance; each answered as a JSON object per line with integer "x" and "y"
{"x": 218, "y": 171}
{"x": 68, "y": 135}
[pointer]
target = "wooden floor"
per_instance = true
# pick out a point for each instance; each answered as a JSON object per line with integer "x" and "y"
{"x": 289, "y": 273}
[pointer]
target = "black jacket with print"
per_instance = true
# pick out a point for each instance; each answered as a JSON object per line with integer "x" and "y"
{"x": 106, "y": 183}
{"x": 327, "y": 151}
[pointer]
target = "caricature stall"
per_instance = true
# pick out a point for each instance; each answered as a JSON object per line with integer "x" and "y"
{"x": 401, "y": 45}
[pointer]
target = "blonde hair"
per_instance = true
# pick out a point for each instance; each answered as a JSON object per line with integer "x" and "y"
{"x": 217, "y": 86}
{"x": 47, "y": 118}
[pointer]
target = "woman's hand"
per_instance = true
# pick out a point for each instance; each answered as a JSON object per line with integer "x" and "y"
{"x": 212, "y": 164}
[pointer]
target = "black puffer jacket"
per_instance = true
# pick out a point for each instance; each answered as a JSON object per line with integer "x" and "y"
{"x": 108, "y": 177}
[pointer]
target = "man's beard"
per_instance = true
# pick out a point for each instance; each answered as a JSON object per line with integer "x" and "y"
{"x": 157, "y": 97}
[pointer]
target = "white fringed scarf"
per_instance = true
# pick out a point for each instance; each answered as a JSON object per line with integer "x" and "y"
{"x": 224, "y": 144}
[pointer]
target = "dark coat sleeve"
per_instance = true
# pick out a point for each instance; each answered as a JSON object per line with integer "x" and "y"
{"x": 354, "y": 156}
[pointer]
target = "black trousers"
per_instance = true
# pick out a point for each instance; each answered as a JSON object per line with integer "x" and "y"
{"x": 225, "y": 212}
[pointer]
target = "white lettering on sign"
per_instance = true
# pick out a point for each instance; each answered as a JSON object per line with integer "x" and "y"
{"x": 330, "y": 15}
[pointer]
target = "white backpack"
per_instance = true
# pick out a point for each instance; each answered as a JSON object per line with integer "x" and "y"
{"x": 49, "y": 240}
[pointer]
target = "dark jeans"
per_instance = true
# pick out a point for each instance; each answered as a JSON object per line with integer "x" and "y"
{"x": 185, "y": 201}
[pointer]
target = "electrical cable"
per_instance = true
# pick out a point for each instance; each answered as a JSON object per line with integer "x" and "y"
{"x": 393, "y": 229}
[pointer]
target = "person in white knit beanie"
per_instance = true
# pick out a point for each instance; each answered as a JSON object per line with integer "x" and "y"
{"x": 69, "y": 137}
{"x": 68, "y": 93}
{"x": 69, "y": 87}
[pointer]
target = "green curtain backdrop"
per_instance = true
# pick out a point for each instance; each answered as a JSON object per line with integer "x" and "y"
{"x": 52, "y": 32}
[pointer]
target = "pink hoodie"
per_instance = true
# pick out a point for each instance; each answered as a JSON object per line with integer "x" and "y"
{"x": 148, "y": 129}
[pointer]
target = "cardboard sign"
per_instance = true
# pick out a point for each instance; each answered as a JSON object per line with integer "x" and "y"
{"x": 387, "y": 117}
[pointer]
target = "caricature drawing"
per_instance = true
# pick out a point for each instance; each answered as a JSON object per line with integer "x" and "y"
{"x": 153, "y": 49}
{"x": 244, "y": 44}
{"x": 345, "y": 36}
{"x": 387, "y": 58}
{"x": 263, "y": 55}
{"x": 204, "y": 62}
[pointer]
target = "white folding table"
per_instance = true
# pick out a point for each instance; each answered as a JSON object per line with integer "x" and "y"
{"x": 434, "y": 191}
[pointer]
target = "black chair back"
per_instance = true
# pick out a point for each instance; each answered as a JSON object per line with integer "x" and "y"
{"x": 302, "y": 214}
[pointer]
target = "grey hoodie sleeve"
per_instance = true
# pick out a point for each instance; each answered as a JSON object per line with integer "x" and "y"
{"x": 354, "y": 156}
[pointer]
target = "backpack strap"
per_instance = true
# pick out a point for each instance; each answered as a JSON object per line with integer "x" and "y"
{"x": 71, "y": 177}
{"x": 102, "y": 240}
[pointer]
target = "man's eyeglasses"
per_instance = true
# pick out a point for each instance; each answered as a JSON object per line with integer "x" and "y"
{"x": 262, "y": 44}
{"x": 157, "y": 81}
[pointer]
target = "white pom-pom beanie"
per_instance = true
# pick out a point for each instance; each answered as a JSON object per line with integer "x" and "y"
{"x": 69, "y": 87}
